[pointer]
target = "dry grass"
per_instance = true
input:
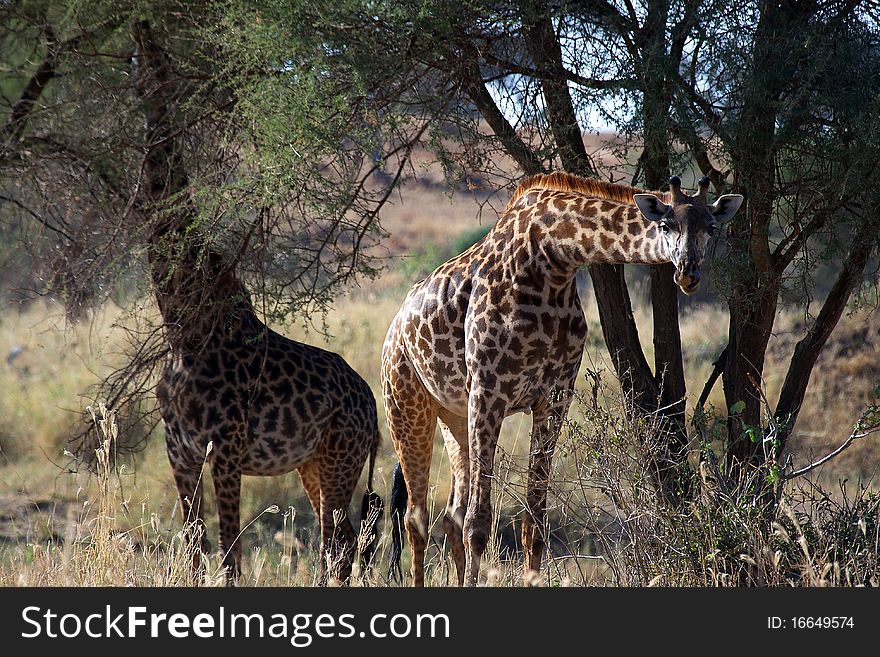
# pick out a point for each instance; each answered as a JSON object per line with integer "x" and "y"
{"x": 606, "y": 526}
{"x": 47, "y": 363}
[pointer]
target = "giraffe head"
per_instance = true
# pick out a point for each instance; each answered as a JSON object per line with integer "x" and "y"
{"x": 686, "y": 226}
{"x": 196, "y": 288}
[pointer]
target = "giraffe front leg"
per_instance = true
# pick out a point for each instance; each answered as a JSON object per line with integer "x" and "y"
{"x": 485, "y": 414}
{"x": 545, "y": 431}
{"x": 226, "y": 473}
{"x": 189, "y": 490}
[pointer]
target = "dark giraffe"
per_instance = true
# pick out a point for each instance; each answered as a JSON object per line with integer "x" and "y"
{"x": 265, "y": 404}
{"x": 499, "y": 329}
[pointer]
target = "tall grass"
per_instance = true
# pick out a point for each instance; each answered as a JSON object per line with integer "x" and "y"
{"x": 725, "y": 536}
{"x": 606, "y": 526}
{"x": 96, "y": 550}
{"x": 104, "y": 547}
{"x": 48, "y": 362}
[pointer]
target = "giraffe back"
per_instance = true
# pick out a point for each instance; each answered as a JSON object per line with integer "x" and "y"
{"x": 277, "y": 397}
{"x": 490, "y": 317}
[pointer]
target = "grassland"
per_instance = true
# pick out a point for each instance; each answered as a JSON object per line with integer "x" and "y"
{"x": 122, "y": 526}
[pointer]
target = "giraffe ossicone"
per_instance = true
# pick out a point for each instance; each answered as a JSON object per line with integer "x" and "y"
{"x": 499, "y": 329}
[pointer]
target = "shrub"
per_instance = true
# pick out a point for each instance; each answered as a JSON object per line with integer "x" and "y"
{"x": 432, "y": 255}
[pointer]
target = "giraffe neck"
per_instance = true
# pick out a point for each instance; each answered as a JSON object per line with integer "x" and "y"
{"x": 199, "y": 295}
{"x": 567, "y": 231}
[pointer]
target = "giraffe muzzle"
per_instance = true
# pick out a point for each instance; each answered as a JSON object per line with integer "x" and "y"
{"x": 687, "y": 276}
{"x": 689, "y": 283}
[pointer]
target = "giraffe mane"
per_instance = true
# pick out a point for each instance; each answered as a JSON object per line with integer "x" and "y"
{"x": 568, "y": 182}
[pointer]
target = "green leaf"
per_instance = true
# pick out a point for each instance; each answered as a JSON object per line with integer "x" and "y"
{"x": 738, "y": 407}
{"x": 752, "y": 433}
{"x": 877, "y": 392}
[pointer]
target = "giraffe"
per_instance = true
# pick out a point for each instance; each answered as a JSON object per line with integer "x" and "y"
{"x": 499, "y": 329}
{"x": 266, "y": 404}
{"x": 236, "y": 394}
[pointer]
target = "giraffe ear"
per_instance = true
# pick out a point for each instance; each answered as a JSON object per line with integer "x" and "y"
{"x": 725, "y": 207}
{"x": 652, "y": 207}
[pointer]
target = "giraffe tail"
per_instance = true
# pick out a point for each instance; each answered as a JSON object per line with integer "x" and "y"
{"x": 371, "y": 511}
{"x": 399, "y": 499}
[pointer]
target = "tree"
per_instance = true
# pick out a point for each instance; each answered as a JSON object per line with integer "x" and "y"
{"x": 746, "y": 88}
{"x": 73, "y": 170}
{"x": 798, "y": 144}
{"x": 299, "y": 120}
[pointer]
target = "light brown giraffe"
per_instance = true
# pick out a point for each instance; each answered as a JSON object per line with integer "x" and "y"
{"x": 266, "y": 404}
{"x": 500, "y": 329}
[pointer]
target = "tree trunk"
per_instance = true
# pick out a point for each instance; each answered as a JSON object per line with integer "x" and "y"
{"x": 641, "y": 386}
{"x": 668, "y": 364}
{"x": 163, "y": 166}
{"x": 754, "y": 298}
{"x": 622, "y": 337}
{"x": 184, "y": 275}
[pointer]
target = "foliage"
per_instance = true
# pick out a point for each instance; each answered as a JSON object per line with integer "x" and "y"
{"x": 418, "y": 265}
{"x": 727, "y": 535}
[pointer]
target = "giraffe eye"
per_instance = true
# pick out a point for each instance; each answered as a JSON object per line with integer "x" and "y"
{"x": 711, "y": 229}
{"x": 665, "y": 227}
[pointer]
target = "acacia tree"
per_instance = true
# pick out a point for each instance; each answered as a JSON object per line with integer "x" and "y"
{"x": 73, "y": 170}
{"x": 287, "y": 110}
{"x": 508, "y": 62}
{"x": 745, "y": 87}
{"x": 794, "y": 132}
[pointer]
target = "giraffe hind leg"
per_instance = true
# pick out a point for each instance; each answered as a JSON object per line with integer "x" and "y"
{"x": 226, "y": 473}
{"x": 338, "y": 538}
{"x": 189, "y": 489}
{"x": 340, "y": 462}
{"x": 412, "y": 418}
{"x": 310, "y": 476}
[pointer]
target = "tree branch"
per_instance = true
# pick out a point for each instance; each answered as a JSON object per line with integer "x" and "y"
{"x": 717, "y": 369}
{"x": 856, "y": 434}
{"x": 712, "y": 118}
{"x": 626, "y": 28}
{"x": 559, "y": 75}
{"x": 38, "y": 218}
{"x": 543, "y": 46}
{"x": 21, "y": 110}
{"x": 807, "y": 350}
{"x": 789, "y": 247}
{"x": 506, "y": 133}
{"x": 682, "y": 28}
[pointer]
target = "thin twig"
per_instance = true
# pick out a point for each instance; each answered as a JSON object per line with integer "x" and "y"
{"x": 855, "y": 435}
{"x": 718, "y": 367}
